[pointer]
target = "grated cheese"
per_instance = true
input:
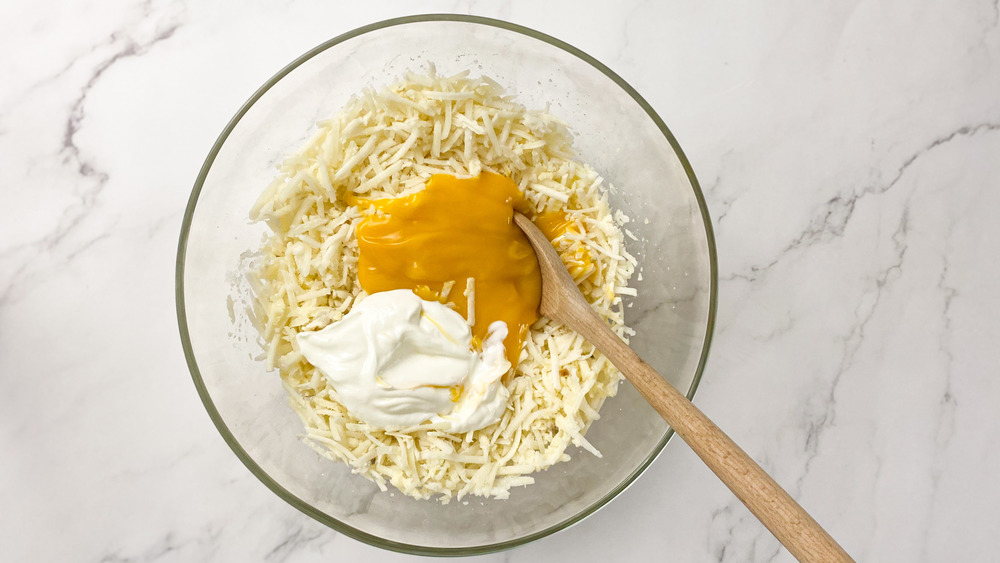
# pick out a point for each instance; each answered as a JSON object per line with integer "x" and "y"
{"x": 470, "y": 295}
{"x": 386, "y": 143}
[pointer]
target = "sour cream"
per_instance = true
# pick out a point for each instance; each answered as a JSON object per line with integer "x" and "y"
{"x": 398, "y": 360}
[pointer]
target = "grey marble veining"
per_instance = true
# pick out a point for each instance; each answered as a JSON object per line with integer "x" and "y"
{"x": 848, "y": 154}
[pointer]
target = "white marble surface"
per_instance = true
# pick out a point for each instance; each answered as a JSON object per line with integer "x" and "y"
{"x": 849, "y": 153}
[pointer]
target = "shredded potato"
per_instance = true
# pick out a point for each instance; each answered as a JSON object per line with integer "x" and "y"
{"x": 387, "y": 143}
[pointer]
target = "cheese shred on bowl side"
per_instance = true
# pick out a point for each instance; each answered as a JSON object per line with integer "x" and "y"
{"x": 386, "y": 145}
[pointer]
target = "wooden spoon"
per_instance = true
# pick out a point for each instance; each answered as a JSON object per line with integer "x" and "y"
{"x": 794, "y": 528}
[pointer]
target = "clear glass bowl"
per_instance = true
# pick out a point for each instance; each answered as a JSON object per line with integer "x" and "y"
{"x": 615, "y": 130}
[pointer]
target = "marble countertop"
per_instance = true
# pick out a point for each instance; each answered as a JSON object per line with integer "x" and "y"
{"x": 849, "y": 155}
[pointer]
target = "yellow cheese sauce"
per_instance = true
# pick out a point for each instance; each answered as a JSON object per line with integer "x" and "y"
{"x": 452, "y": 230}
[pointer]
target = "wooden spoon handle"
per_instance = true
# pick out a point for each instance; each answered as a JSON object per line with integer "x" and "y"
{"x": 793, "y": 526}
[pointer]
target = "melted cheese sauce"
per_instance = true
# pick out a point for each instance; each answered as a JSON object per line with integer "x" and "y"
{"x": 433, "y": 241}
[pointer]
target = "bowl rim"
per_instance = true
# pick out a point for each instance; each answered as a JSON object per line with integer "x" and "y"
{"x": 213, "y": 412}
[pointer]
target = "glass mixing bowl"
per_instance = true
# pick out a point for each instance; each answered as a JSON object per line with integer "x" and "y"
{"x": 615, "y": 131}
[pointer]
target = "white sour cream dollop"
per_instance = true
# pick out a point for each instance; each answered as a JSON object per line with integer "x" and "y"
{"x": 397, "y": 360}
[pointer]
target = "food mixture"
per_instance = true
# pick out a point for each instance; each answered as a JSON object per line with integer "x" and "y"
{"x": 399, "y": 303}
